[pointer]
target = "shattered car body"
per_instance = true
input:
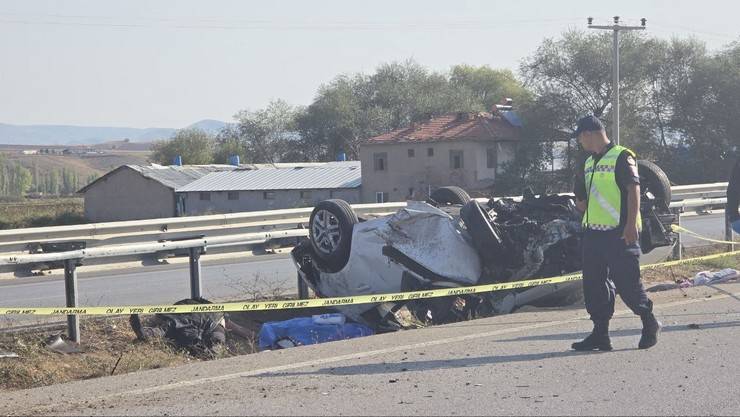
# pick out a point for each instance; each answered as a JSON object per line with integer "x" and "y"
{"x": 424, "y": 247}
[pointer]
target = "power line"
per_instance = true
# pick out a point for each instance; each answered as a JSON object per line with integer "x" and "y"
{"x": 696, "y": 31}
{"x": 235, "y": 24}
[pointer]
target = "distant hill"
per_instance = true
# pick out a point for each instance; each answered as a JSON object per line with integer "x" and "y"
{"x": 209, "y": 125}
{"x": 89, "y": 135}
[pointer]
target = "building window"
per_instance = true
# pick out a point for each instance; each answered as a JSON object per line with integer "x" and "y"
{"x": 491, "y": 157}
{"x": 381, "y": 197}
{"x": 456, "y": 159}
{"x": 430, "y": 151}
{"x": 305, "y": 195}
{"x": 380, "y": 161}
{"x": 411, "y": 153}
{"x": 268, "y": 195}
{"x": 233, "y": 195}
{"x": 205, "y": 196}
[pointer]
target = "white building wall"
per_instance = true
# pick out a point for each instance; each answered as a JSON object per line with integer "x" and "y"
{"x": 256, "y": 201}
{"x": 408, "y": 177}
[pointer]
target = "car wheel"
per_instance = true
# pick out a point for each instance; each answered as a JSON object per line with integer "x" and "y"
{"x": 655, "y": 181}
{"x": 450, "y": 195}
{"x": 486, "y": 239}
{"x": 330, "y": 231}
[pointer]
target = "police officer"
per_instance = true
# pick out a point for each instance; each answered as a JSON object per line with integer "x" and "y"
{"x": 608, "y": 192}
{"x": 733, "y": 196}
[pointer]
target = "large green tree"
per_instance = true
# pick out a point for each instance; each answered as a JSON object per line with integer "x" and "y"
{"x": 266, "y": 135}
{"x": 194, "y": 145}
{"x": 353, "y": 108}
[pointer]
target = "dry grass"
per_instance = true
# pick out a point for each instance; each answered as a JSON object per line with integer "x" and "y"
{"x": 42, "y": 212}
{"x": 680, "y": 272}
{"x": 108, "y": 344}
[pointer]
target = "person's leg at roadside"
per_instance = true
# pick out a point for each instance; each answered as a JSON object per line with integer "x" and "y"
{"x": 624, "y": 271}
{"x": 598, "y": 293}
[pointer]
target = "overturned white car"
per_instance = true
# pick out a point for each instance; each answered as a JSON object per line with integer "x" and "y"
{"x": 454, "y": 241}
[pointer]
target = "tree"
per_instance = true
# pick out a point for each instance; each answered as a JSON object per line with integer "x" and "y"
{"x": 194, "y": 145}
{"x": 15, "y": 181}
{"x": 353, "y": 108}
{"x": 488, "y": 86}
{"x": 263, "y": 136}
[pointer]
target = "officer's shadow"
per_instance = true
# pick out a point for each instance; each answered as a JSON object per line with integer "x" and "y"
{"x": 412, "y": 365}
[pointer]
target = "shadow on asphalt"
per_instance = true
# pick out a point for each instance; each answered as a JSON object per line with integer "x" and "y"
{"x": 428, "y": 365}
{"x": 627, "y": 332}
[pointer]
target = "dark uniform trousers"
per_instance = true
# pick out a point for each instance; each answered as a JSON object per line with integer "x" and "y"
{"x": 609, "y": 264}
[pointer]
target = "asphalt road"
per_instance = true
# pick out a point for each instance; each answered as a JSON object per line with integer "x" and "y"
{"x": 152, "y": 285}
{"x": 221, "y": 280}
{"x": 519, "y": 364}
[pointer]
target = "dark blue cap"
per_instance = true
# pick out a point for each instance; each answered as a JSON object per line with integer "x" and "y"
{"x": 588, "y": 124}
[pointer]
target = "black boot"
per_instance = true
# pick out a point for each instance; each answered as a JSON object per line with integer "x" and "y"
{"x": 650, "y": 329}
{"x": 597, "y": 340}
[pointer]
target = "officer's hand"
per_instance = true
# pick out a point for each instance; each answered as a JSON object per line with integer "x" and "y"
{"x": 581, "y": 205}
{"x": 630, "y": 234}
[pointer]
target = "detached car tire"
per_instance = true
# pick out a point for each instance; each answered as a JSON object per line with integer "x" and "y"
{"x": 655, "y": 181}
{"x": 450, "y": 195}
{"x": 330, "y": 232}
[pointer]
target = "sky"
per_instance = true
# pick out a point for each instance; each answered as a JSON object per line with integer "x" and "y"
{"x": 169, "y": 63}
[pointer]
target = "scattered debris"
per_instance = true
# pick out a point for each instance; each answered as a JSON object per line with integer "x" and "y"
{"x": 60, "y": 345}
{"x": 701, "y": 278}
{"x": 198, "y": 333}
{"x": 707, "y": 277}
{"x": 6, "y": 354}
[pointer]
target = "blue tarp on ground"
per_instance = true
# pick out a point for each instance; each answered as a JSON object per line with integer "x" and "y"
{"x": 303, "y": 331}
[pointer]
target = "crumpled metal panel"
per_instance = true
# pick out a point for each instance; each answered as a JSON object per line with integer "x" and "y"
{"x": 550, "y": 233}
{"x": 431, "y": 237}
{"x": 423, "y": 233}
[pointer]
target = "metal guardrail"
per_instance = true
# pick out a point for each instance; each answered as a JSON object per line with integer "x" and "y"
{"x": 152, "y": 230}
{"x": 693, "y": 191}
{"x": 139, "y": 231}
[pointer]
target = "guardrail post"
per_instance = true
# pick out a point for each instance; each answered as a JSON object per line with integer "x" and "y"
{"x": 728, "y": 234}
{"x": 70, "y": 289}
{"x": 195, "y": 284}
{"x": 302, "y": 288}
{"x": 677, "y": 247}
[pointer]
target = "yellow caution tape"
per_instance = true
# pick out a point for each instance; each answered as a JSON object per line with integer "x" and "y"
{"x": 319, "y": 302}
{"x": 680, "y": 229}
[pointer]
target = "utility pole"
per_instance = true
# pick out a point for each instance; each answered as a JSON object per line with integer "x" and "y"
{"x": 616, "y": 27}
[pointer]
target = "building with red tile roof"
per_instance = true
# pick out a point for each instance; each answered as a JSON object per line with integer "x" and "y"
{"x": 462, "y": 149}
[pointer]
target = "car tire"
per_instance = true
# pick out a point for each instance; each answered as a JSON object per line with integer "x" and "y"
{"x": 655, "y": 181}
{"x": 450, "y": 195}
{"x": 330, "y": 231}
{"x": 486, "y": 239}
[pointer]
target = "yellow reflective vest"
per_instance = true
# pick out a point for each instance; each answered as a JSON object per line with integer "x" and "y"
{"x": 604, "y": 196}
